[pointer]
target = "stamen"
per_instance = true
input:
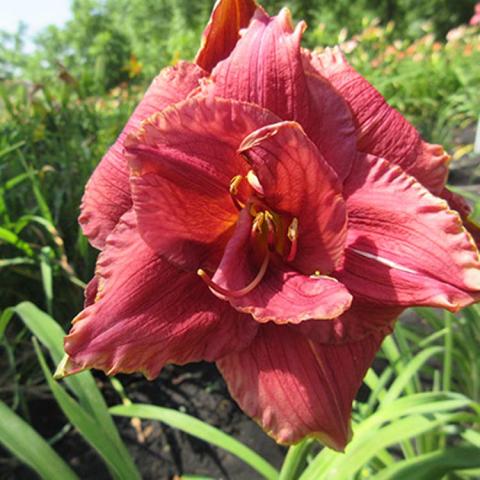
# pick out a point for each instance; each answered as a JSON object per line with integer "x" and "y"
{"x": 271, "y": 228}
{"x": 257, "y": 224}
{"x": 234, "y": 183}
{"x": 233, "y": 189}
{"x": 223, "y": 293}
{"x": 254, "y": 182}
{"x": 292, "y": 235}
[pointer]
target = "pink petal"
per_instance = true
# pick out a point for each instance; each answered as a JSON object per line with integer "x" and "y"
{"x": 473, "y": 229}
{"x": 458, "y": 203}
{"x": 283, "y": 295}
{"x": 362, "y": 319}
{"x": 297, "y": 182}
{"x": 91, "y": 291}
{"x": 294, "y": 387}
{"x": 405, "y": 246}
{"x": 381, "y": 130}
{"x": 182, "y": 164}
{"x": 265, "y": 67}
{"x": 330, "y": 125}
{"x": 223, "y": 30}
{"x": 107, "y": 194}
{"x": 147, "y": 313}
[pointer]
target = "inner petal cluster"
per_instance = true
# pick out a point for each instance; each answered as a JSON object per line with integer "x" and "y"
{"x": 248, "y": 202}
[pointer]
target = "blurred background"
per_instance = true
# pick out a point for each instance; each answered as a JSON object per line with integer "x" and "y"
{"x": 70, "y": 75}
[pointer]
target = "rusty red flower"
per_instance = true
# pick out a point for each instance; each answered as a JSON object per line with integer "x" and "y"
{"x": 265, "y": 209}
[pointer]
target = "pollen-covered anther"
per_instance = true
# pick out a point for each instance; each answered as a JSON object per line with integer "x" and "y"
{"x": 271, "y": 229}
{"x": 233, "y": 189}
{"x": 257, "y": 224}
{"x": 224, "y": 293}
{"x": 234, "y": 183}
{"x": 292, "y": 234}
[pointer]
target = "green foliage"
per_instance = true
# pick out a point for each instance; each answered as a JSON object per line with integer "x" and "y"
{"x": 20, "y": 438}
{"x": 50, "y": 141}
{"x": 88, "y": 412}
{"x": 199, "y": 429}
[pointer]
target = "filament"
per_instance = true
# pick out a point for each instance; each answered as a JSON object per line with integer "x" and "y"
{"x": 217, "y": 289}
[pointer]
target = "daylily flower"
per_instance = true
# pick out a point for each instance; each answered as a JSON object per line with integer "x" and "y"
{"x": 475, "y": 20}
{"x": 265, "y": 209}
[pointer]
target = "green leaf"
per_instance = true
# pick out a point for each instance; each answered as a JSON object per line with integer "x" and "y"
{"x": 13, "y": 182}
{"x": 418, "y": 404}
{"x": 5, "y": 318}
{"x": 26, "y": 444}
{"x": 392, "y": 434}
{"x": 47, "y": 277}
{"x": 296, "y": 459}
{"x": 197, "y": 428}
{"x": 432, "y": 465}
{"x": 408, "y": 372}
{"x": 11, "y": 148}
{"x": 87, "y": 426}
{"x": 9, "y": 262}
{"x": 370, "y": 438}
{"x": 472, "y": 436}
{"x": 37, "y": 190}
{"x": 50, "y": 334}
{"x": 13, "y": 239}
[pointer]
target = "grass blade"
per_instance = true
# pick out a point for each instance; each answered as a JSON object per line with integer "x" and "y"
{"x": 50, "y": 334}
{"x": 86, "y": 425}
{"x": 295, "y": 460}
{"x": 433, "y": 465}
{"x": 199, "y": 429}
{"x": 27, "y": 445}
{"x": 408, "y": 372}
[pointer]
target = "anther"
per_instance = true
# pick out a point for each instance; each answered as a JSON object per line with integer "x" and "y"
{"x": 224, "y": 293}
{"x": 270, "y": 228}
{"x": 234, "y": 184}
{"x": 257, "y": 224}
{"x": 292, "y": 234}
{"x": 233, "y": 189}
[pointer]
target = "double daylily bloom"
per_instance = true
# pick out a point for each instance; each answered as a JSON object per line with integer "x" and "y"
{"x": 264, "y": 208}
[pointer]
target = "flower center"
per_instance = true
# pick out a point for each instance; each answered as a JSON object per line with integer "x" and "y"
{"x": 271, "y": 233}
